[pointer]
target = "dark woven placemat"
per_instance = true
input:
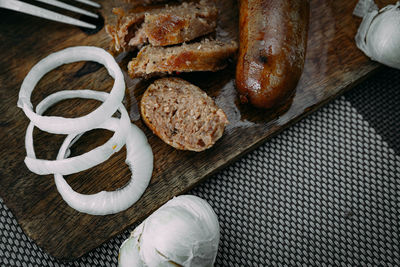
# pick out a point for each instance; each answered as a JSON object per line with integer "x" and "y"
{"x": 378, "y": 101}
{"x": 324, "y": 192}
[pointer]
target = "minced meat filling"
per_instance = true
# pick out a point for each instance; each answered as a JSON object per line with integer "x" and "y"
{"x": 182, "y": 115}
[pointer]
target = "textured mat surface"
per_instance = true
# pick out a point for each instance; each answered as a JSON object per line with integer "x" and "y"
{"x": 324, "y": 192}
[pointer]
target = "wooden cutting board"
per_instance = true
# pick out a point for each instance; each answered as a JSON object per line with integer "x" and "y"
{"x": 333, "y": 65}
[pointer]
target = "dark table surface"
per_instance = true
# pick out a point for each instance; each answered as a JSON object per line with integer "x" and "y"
{"x": 323, "y": 192}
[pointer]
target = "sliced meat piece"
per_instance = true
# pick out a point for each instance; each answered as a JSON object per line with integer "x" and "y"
{"x": 125, "y": 30}
{"x": 182, "y": 115}
{"x": 203, "y": 56}
{"x": 163, "y": 26}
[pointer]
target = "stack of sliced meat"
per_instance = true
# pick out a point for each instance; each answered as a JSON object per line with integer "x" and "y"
{"x": 174, "y": 39}
{"x": 165, "y": 37}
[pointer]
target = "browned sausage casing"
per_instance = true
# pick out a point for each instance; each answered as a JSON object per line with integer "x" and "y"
{"x": 273, "y": 40}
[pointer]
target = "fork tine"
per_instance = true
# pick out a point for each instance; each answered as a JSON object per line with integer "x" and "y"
{"x": 90, "y": 3}
{"x": 43, "y": 13}
{"x": 69, "y": 7}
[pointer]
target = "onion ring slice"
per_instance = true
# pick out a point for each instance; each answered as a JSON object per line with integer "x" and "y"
{"x": 139, "y": 158}
{"x": 86, "y": 160}
{"x": 60, "y": 125}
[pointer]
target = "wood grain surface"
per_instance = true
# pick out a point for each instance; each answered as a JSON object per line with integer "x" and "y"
{"x": 333, "y": 65}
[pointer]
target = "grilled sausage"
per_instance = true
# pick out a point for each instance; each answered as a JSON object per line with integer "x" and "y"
{"x": 273, "y": 39}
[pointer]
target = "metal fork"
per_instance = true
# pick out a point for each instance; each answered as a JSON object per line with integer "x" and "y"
{"x": 47, "y": 14}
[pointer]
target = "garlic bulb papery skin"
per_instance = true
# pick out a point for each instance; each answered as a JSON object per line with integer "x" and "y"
{"x": 379, "y": 35}
{"x": 182, "y": 232}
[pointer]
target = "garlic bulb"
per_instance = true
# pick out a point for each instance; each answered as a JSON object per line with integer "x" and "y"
{"x": 182, "y": 232}
{"x": 379, "y": 33}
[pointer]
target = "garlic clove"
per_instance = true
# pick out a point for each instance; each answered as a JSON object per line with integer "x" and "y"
{"x": 379, "y": 35}
{"x": 383, "y": 36}
{"x": 129, "y": 252}
{"x": 183, "y": 232}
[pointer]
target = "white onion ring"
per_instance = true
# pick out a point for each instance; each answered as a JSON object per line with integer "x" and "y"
{"x": 86, "y": 160}
{"x": 139, "y": 158}
{"x": 60, "y": 125}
